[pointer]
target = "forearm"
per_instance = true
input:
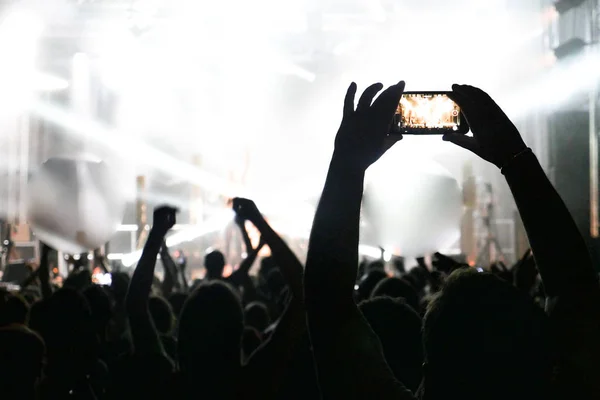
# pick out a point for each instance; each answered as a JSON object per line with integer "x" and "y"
{"x": 272, "y": 358}
{"x": 246, "y": 238}
{"x": 290, "y": 266}
{"x": 332, "y": 258}
{"x": 558, "y": 247}
{"x": 171, "y": 278}
{"x": 249, "y": 260}
{"x": 140, "y": 286}
{"x": 45, "y": 276}
{"x": 144, "y": 334}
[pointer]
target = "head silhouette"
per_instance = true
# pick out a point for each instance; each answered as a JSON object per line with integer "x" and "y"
{"x": 13, "y": 309}
{"x": 214, "y": 262}
{"x": 177, "y": 300}
{"x": 256, "y": 315}
{"x": 483, "y": 338}
{"x": 250, "y": 341}
{"x": 210, "y": 331}
{"x": 65, "y": 323}
{"x": 397, "y": 288}
{"x": 101, "y": 309}
{"x": 368, "y": 282}
{"x": 162, "y": 314}
{"x": 21, "y": 361}
{"x": 266, "y": 265}
{"x": 398, "y": 327}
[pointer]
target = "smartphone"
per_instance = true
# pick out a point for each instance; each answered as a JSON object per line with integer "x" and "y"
{"x": 428, "y": 113}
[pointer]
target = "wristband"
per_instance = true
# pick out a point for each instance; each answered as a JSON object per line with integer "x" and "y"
{"x": 516, "y": 156}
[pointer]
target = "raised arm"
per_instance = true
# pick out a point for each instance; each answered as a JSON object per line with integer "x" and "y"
{"x": 290, "y": 266}
{"x": 272, "y": 359}
{"x": 171, "y": 280}
{"x": 44, "y": 273}
{"x": 241, "y": 223}
{"x": 145, "y": 336}
{"x": 348, "y": 354}
{"x": 559, "y": 249}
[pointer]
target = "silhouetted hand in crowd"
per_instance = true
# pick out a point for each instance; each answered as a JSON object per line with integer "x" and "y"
{"x": 145, "y": 337}
{"x": 348, "y": 354}
{"x": 500, "y": 269}
{"x": 495, "y": 137}
{"x": 363, "y": 136}
{"x": 44, "y": 272}
{"x": 525, "y": 272}
{"x": 561, "y": 255}
{"x": 272, "y": 358}
{"x": 164, "y": 219}
{"x": 446, "y": 264}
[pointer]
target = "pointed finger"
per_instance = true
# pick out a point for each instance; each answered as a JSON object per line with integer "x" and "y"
{"x": 349, "y": 100}
{"x": 367, "y": 97}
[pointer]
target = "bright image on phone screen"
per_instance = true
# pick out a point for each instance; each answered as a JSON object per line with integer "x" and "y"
{"x": 428, "y": 111}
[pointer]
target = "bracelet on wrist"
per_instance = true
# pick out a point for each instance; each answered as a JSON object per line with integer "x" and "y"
{"x": 515, "y": 157}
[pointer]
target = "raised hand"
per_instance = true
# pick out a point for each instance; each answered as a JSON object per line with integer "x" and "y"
{"x": 495, "y": 137}
{"x": 446, "y": 264}
{"x": 363, "y": 135}
{"x": 246, "y": 210}
{"x": 164, "y": 218}
{"x": 525, "y": 272}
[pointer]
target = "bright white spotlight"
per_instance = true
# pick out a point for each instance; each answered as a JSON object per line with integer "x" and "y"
{"x": 48, "y": 83}
{"x": 369, "y": 251}
{"x": 387, "y": 256}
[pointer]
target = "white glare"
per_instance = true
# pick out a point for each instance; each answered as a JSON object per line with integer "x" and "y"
{"x": 213, "y": 224}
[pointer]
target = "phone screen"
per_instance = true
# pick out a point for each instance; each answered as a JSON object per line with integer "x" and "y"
{"x": 428, "y": 112}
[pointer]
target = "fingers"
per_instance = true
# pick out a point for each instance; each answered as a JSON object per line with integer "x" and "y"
{"x": 466, "y": 142}
{"x": 387, "y": 103}
{"x": 465, "y": 103}
{"x": 367, "y": 97}
{"x": 477, "y": 100}
{"x": 349, "y": 100}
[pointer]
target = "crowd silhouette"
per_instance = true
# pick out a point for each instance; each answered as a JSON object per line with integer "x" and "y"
{"x": 335, "y": 328}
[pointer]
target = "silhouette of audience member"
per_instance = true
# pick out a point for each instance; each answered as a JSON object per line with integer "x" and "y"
{"x": 256, "y": 315}
{"x": 162, "y": 314}
{"x": 13, "y": 309}
{"x": 398, "y": 327}
{"x": 368, "y": 282}
{"x": 250, "y": 341}
{"x": 495, "y": 336}
{"x": 163, "y": 319}
{"x": 214, "y": 262}
{"x": 177, "y": 300}
{"x": 22, "y": 354}
{"x": 500, "y": 339}
{"x": 209, "y": 342}
{"x": 479, "y": 323}
{"x": 397, "y": 288}
{"x": 65, "y": 323}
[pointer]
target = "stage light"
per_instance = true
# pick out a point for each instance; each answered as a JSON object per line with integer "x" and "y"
{"x": 213, "y": 224}
{"x": 44, "y": 82}
{"x": 563, "y": 6}
{"x": 569, "y": 48}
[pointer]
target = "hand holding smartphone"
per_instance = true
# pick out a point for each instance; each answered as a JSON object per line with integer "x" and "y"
{"x": 428, "y": 113}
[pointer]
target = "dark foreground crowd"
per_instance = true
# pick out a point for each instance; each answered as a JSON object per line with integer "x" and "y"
{"x": 334, "y": 328}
